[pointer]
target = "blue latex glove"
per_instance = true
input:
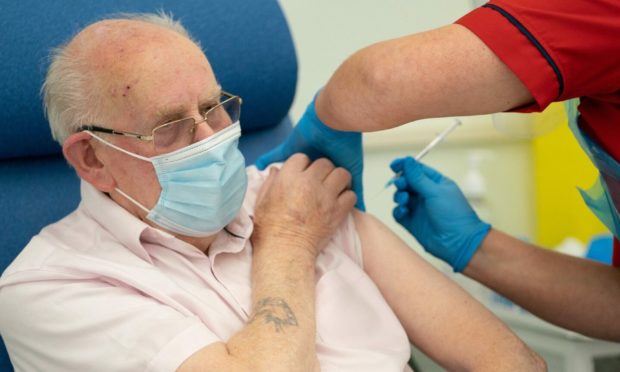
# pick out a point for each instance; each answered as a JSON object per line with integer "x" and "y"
{"x": 317, "y": 140}
{"x": 434, "y": 210}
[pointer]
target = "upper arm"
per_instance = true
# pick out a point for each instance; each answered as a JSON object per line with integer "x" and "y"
{"x": 436, "y": 313}
{"x": 505, "y": 55}
{"x": 448, "y": 71}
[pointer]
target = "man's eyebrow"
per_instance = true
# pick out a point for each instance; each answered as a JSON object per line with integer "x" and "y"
{"x": 169, "y": 113}
{"x": 212, "y": 97}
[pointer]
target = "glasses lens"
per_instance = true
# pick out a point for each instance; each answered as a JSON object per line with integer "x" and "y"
{"x": 223, "y": 115}
{"x": 180, "y": 133}
{"x": 174, "y": 135}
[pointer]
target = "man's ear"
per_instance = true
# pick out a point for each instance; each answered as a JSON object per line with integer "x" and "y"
{"x": 80, "y": 153}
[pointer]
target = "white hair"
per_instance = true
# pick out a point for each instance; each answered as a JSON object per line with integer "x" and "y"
{"x": 68, "y": 98}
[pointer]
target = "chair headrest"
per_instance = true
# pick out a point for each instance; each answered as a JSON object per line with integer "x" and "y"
{"x": 247, "y": 42}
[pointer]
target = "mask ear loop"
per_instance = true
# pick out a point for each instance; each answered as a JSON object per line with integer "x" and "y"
{"x": 137, "y": 204}
{"x": 134, "y": 201}
{"x": 117, "y": 148}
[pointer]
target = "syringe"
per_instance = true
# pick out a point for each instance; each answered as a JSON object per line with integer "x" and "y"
{"x": 428, "y": 148}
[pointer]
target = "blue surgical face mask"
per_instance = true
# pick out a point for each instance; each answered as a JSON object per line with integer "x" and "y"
{"x": 202, "y": 185}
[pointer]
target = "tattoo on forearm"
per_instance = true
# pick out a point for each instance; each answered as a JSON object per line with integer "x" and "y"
{"x": 276, "y": 311}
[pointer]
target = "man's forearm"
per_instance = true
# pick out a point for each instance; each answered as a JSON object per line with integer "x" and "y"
{"x": 444, "y": 72}
{"x": 573, "y": 293}
{"x": 281, "y": 333}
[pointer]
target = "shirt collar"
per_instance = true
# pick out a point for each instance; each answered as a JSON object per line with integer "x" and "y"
{"x": 132, "y": 232}
{"x": 121, "y": 224}
{"x": 234, "y": 237}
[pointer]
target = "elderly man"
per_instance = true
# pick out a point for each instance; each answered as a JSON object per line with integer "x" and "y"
{"x": 180, "y": 259}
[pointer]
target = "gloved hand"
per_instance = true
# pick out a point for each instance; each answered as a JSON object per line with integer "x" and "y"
{"x": 434, "y": 210}
{"x": 316, "y": 140}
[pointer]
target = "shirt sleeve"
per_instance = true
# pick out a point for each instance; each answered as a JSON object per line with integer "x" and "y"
{"x": 347, "y": 237}
{"x": 559, "y": 49}
{"x": 90, "y": 325}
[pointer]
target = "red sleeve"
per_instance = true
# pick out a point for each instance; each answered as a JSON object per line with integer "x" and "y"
{"x": 559, "y": 49}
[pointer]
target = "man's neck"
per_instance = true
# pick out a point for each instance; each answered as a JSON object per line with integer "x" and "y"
{"x": 202, "y": 244}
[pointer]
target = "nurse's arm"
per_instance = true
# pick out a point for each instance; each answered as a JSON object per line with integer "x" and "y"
{"x": 448, "y": 71}
{"x": 571, "y": 292}
{"x": 439, "y": 317}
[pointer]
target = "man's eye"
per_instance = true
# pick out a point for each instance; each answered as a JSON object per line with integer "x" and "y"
{"x": 205, "y": 109}
{"x": 167, "y": 124}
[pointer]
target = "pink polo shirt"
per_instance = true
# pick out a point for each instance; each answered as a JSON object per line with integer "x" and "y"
{"x": 101, "y": 290}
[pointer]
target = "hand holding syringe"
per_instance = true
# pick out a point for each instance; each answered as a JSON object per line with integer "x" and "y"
{"x": 428, "y": 148}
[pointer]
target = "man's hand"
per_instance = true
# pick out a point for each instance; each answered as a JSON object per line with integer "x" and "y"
{"x": 303, "y": 203}
{"x": 315, "y": 139}
{"x": 434, "y": 210}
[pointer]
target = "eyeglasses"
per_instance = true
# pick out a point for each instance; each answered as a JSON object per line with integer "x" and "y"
{"x": 177, "y": 134}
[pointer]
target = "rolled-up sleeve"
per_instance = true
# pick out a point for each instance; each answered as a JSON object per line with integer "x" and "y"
{"x": 559, "y": 49}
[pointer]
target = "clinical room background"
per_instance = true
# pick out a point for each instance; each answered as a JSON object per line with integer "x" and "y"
{"x": 509, "y": 174}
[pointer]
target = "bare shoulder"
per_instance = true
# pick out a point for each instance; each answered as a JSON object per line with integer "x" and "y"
{"x": 367, "y": 223}
{"x": 373, "y": 231}
{"x": 381, "y": 247}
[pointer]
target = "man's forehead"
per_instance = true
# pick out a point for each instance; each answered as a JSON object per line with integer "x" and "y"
{"x": 209, "y": 97}
{"x": 121, "y": 31}
{"x": 115, "y": 42}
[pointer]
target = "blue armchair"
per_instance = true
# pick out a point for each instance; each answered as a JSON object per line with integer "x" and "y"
{"x": 248, "y": 44}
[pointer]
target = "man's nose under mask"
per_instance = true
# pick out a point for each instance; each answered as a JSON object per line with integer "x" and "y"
{"x": 202, "y": 185}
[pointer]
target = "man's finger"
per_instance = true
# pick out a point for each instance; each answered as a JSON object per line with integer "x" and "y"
{"x": 321, "y": 168}
{"x": 346, "y": 201}
{"x": 338, "y": 180}
{"x": 297, "y": 162}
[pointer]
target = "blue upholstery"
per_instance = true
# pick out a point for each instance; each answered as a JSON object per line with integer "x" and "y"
{"x": 247, "y": 42}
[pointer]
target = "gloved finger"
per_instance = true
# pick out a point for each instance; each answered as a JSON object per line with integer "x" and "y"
{"x": 413, "y": 203}
{"x": 401, "y": 183}
{"x": 407, "y": 200}
{"x": 397, "y": 164}
{"x": 401, "y": 198}
{"x": 358, "y": 188}
{"x": 417, "y": 179}
{"x": 400, "y": 212}
{"x": 432, "y": 173}
{"x": 273, "y": 156}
